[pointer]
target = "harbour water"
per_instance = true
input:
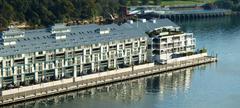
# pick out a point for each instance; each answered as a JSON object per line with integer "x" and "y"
{"x": 208, "y": 86}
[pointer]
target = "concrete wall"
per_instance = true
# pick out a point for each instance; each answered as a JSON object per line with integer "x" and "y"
{"x": 37, "y": 86}
{"x": 114, "y": 72}
{"x": 70, "y": 80}
{"x": 187, "y": 57}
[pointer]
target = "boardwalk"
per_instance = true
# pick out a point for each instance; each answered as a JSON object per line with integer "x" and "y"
{"x": 102, "y": 80}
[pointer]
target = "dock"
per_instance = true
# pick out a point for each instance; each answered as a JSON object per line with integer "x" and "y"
{"x": 177, "y": 13}
{"x": 188, "y": 15}
{"x": 99, "y": 79}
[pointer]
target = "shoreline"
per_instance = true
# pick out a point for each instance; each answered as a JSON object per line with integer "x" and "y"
{"x": 100, "y": 79}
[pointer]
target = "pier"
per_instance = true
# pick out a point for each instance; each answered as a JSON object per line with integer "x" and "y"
{"x": 98, "y": 79}
{"x": 177, "y": 13}
{"x": 188, "y": 14}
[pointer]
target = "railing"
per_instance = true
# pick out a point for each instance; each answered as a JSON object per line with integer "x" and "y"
{"x": 194, "y": 11}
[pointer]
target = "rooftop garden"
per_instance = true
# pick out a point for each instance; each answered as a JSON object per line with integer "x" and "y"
{"x": 157, "y": 32}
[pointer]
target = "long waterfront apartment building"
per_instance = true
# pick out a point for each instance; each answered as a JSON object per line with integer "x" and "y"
{"x": 34, "y": 56}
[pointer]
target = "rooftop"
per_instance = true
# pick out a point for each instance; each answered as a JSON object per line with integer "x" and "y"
{"x": 43, "y": 39}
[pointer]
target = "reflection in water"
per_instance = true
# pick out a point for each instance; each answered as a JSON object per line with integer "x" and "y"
{"x": 124, "y": 92}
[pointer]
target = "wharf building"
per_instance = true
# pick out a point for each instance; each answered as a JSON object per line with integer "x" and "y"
{"x": 34, "y": 56}
{"x": 168, "y": 43}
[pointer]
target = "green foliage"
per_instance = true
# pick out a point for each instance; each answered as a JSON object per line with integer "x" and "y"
{"x": 189, "y": 53}
{"x": 228, "y": 4}
{"x": 111, "y": 68}
{"x": 225, "y": 4}
{"x": 45, "y": 12}
{"x": 203, "y": 50}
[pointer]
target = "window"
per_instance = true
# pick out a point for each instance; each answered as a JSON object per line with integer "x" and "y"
{"x": 70, "y": 54}
{"x": 135, "y": 51}
{"x": 40, "y": 67}
{"x": 50, "y": 66}
{"x": 30, "y": 60}
{"x": 104, "y": 56}
{"x": 60, "y": 50}
{"x": 96, "y": 57}
{"x": 120, "y": 46}
{"x": 28, "y": 69}
{"x": 8, "y": 63}
{"x": 112, "y": 55}
{"x": 78, "y": 69}
{"x": 87, "y": 51}
{"x": 19, "y": 70}
{"x": 127, "y": 60}
{"x": 70, "y": 61}
{"x": 128, "y": 52}
{"x": 40, "y": 53}
{"x": 105, "y": 49}
{"x": 50, "y": 57}
{"x": 142, "y": 58}
{"x": 143, "y": 50}
{"x": 59, "y": 64}
{"x": 79, "y": 47}
{"x": 0, "y": 65}
{"x": 78, "y": 60}
{"x": 8, "y": 72}
{"x": 112, "y": 63}
{"x": 0, "y": 68}
{"x": 18, "y": 56}
{"x": 136, "y": 44}
{"x": 120, "y": 53}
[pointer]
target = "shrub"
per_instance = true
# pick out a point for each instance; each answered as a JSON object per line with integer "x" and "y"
{"x": 203, "y": 50}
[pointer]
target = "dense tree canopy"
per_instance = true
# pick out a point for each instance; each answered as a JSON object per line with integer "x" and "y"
{"x": 228, "y": 4}
{"x": 46, "y": 12}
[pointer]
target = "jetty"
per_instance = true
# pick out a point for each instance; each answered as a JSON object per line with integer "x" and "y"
{"x": 188, "y": 14}
{"x": 176, "y": 12}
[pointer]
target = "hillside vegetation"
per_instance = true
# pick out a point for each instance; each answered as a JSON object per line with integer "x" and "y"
{"x": 46, "y": 12}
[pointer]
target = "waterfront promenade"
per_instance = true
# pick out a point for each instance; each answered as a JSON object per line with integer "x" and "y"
{"x": 100, "y": 79}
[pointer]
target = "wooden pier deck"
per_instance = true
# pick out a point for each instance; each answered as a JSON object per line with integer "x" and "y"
{"x": 102, "y": 80}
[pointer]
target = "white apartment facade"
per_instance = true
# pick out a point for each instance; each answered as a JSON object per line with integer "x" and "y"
{"x": 29, "y": 57}
{"x": 168, "y": 43}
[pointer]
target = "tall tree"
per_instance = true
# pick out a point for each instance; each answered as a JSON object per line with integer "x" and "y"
{"x": 144, "y": 2}
{"x": 156, "y": 2}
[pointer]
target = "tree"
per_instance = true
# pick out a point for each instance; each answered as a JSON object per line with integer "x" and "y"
{"x": 133, "y": 2}
{"x": 225, "y": 4}
{"x": 3, "y": 22}
{"x": 144, "y": 2}
{"x": 156, "y": 2}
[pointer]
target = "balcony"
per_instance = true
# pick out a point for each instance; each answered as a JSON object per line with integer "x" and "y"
{"x": 96, "y": 50}
{"x": 111, "y": 48}
{"x": 128, "y": 45}
{"x": 40, "y": 59}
